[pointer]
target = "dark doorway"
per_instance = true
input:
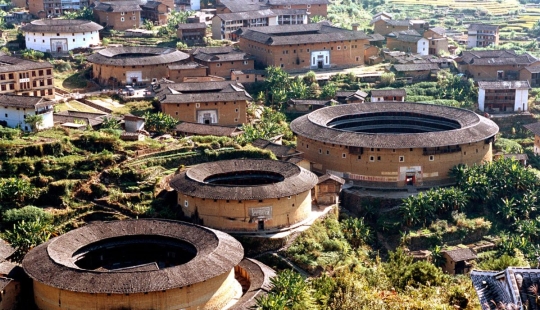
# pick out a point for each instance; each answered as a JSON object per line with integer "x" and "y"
{"x": 260, "y": 225}
{"x": 320, "y": 64}
{"x": 410, "y": 178}
{"x": 134, "y": 80}
{"x": 59, "y": 49}
{"x": 460, "y": 267}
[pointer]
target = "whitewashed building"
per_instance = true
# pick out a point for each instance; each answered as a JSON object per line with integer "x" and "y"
{"x": 61, "y": 35}
{"x": 503, "y": 96}
{"x": 14, "y": 110}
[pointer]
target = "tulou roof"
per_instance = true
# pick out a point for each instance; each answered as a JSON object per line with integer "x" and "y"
{"x": 137, "y": 55}
{"x": 53, "y": 263}
{"x": 473, "y": 127}
{"x": 192, "y": 182}
{"x": 300, "y": 34}
{"x": 259, "y": 278}
{"x": 504, "y": 85}
{"x": 61, "y": 25}
{"x": 415, "y": 67}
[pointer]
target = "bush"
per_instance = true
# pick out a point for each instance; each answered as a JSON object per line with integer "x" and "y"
{"x": 28, "y": 213}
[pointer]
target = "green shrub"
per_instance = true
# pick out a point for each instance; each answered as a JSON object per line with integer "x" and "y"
{"x": 28, "y": 213}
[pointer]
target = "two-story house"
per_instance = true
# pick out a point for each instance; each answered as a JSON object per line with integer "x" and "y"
{"x": 118, "y": 15}
{"x": 14, "y": 110}
{"x": 482, "y": 35}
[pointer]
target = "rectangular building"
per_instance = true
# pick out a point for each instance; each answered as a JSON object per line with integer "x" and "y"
{"x": 118, "y": 15}
{"x": 14, "y": 110}
{"x": 24, "y": 77}
{"x": 503, "y": 96}
{"x": 482, "y": 35}
{"x": 225, "y": 25}
{"x": 222, "y": 61}
{"x": 304, "y": 47}
{"x": 494, "y": 65}
{"x": 55, "y": 8}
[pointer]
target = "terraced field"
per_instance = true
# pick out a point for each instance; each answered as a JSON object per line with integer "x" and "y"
{"x": 529, "y": 17}
{"x": 491, "y": 6}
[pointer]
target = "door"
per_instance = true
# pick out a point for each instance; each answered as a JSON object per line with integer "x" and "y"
{"x": 260, "y": 225}
{"x": 59, "y": 49}
{"x": 320, "y": 64}
{"x": 410, "y": 178}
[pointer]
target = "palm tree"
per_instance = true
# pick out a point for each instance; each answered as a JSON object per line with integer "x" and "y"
{"x": 355, "y": 231}
{"x": 27, "y": 234}
{"x": 410, "y": 211}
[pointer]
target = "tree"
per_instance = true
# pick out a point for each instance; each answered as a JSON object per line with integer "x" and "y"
{"x": 293, "y": 289}
{"x": 159, "y": 122}
{"x": 27, "y": 234}
{"x": 148, "y": 24}
{"x": 328, "y": 91}
{"x": 110, "y": 123}
{"x": 32, "y": 54}
{"x": 84, "y": 13}
{"x": 355, "y": 231}
{"x": 35, "y": 121}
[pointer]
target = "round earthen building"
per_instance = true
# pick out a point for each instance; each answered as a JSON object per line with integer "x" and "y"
{"x": 140, "y": 264}
{"x": 393, "y": 143}
{"x": 133, "y": 64}
{"x": 246, "y": 195}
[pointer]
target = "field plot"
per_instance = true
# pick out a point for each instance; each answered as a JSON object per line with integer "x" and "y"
{"x": 490, "y": 6}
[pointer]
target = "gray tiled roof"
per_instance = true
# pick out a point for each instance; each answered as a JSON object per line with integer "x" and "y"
{"x": 483, "y": 27}
{"x": 205, "y": 97}
{"x": 5, "y": 250}
{"x": 222, "y": 57}
{"x": 388, "y": 92}
{"x": 190, "y": 26}
{"x": 504, "y": 85}
{"x": 397, "y": 22}
{"x": 137, "y": 55}
{"x": 278, "y": 149}
{"x": 118, "y": 6}
{"x": 469, "y": 56}
{"x": 416, "y": 67}
{"x": 14, "y": 64}
{"x": 243, "y": 5}
{"x": 461, "y": 254}
{"x": 296, "y": 180}
{"x": 28, "y": 102}
{"x": 207, "y": 130}
{"x": 297, "y": 2}
{"x": 53, "y": 263}
{"x": 474, "y": 128}
{"x": 189, "y": 65}
{"x": 300, "y": 34}
{"x": 491, "y": 292}
{"x": 61, "y": 25}
{"x": 534, "y": 128}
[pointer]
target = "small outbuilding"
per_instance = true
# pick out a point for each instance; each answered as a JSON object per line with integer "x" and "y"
{"x": 458, "y": 261}
{"x": 328, "y": 189}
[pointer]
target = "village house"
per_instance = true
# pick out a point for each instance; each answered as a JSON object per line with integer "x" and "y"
{"x": 482, "y": 35}
{"x": 133, "y": 123}
{"x": 304, "y": 106}
{"x": 25, "y": 77}
{"x": 327, "y": 190}
{"x": 195, "y": 129}
{"x": 54, "y": 8}
{"x": 394, "y": 95}
{"x": 282, "y": 152}
{"x": 312, "y": 7}
{"x": 11, "y": 276}
{"x": 60, "y": 35}
{"x": 535, "y": 129}
{"x": 304, "y": 47}
{"x": 222, "y": 103}
{"x": 458, "y": 261}
{"x": 79, "y": 120}
{"x": 248, "y": 76}
{"x": 178, "y": 73}
{"x": 383, "y": 24}
{"x": 494, "y": 65}
{"x": 221, "y": 61}
{"x": 118, "y": 15}
{"x": 417, "y": 72}
{"x": 14, "y": 110}
{"x": 503, "y": 96}
{"x": 532, "y": 74}
{"x": 191, "y": 32}
{"x": 409, "y": 41}
{"x": 225, "y": 25}
{"x": 350, "y": 96}
{"x": 156, "y": 12}
{"x": 438, "y": 42}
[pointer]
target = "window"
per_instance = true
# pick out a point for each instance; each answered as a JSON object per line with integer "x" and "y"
{"x": 236, "y": 120}
{"x": 327, "y": 152}
{"x": 339, "y": 48}
{"x": 122, "y": 19}
{"x": 57, "y": 34}
{"x": 218, "y": 65}
{"x": 10, "y": 76}
{"x": 464, "y": 153}
{"x": 431, "y": 158}
{"x": 320, "y": 151}
{"x": 246, "y": 62}
{"x": 186, "y": 204}
{"x": 308, "y": 6}
{"x": 371, "y": 158}
{"x": 359, "y": 156}
{"x": 401, "y": 159}
{"x": 73, "y": 40}
{"x": 123, "y": 13}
